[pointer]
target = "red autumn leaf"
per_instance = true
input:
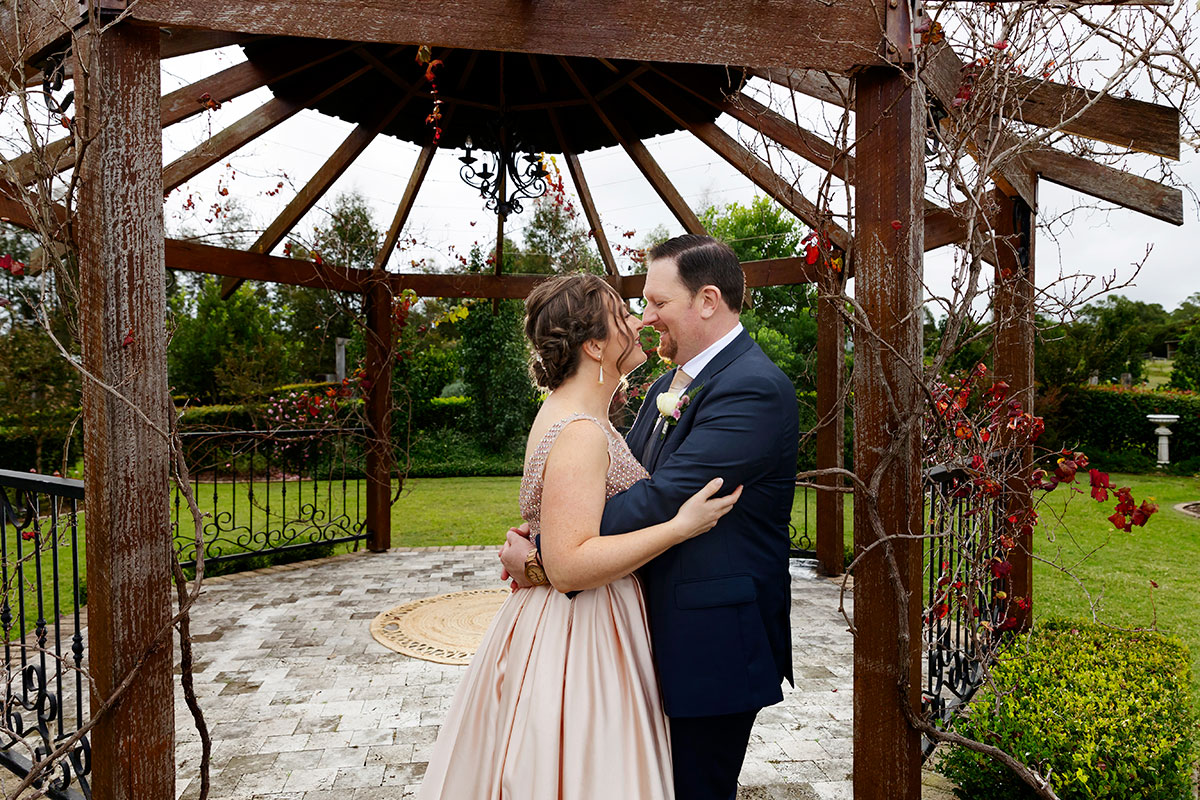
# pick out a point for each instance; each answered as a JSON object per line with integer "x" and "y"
{"x": 985, "y": 437}
{"x": 897, "y": 224}
{"x": 29, "y": 534}
{"x": 317, "y": 258}
{"x": 128, "y": 339}
{"x": 811, "y": 253}
{"x": 1000, "y": 568}
{"x": 1001, "y": 45}
{"x": 1065, "y": 471}
{"x": 1022, "y": 603}
{"x": 1099, "y": 479}
{"x": 1155, "y": 585}
{"x": 1118, "y": 521}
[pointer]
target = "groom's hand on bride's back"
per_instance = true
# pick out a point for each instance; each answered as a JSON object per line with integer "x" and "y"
{"x": 512, "y": 556}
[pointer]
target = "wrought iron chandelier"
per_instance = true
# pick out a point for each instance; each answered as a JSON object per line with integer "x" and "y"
{"x": 505, "y": 177}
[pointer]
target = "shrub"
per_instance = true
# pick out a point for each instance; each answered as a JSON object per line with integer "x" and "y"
{"x": 1106, "y": 712}
{"x": 1113, "y": 419}
{"x": 456, "y": 453}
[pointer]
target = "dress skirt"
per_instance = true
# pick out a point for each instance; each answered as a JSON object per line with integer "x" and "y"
{"x": 560, "y": 702}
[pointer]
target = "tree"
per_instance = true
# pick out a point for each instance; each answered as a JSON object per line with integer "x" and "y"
{"x": 1186, "y": 371}
{"x": 555, "y": 239}
{"x": 782, "y": 319}
{"x": 495, "y": 359}
{"x": 227, "y": 350}
{"x": 316, "y": 318}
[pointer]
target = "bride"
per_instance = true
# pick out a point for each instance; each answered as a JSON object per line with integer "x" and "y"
{"x": 561, "y": 701}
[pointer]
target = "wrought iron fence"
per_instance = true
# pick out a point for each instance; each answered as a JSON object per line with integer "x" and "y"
{"x": 269, "y": 492}
{"x": 44, "y": 690}
{"x": 802, "y": 542}
{"x": 961, "y": 536}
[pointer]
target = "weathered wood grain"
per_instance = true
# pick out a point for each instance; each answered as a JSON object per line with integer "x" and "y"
{"x": 1108, "y": 183}
{"x": 125, "y": 420}
{"x": 796, "y": 33}
{"x": 887, "y": 359}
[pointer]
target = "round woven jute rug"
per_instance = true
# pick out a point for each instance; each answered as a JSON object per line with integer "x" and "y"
{"x": 444, "y": 629}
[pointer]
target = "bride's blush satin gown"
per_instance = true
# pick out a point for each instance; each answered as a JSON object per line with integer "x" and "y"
{"x": 560, "y": 701}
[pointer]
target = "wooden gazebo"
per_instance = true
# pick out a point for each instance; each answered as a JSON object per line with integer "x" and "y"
{"x": 574, "y": 79}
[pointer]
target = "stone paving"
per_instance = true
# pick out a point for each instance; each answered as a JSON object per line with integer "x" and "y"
{"x": 303, "y": 704}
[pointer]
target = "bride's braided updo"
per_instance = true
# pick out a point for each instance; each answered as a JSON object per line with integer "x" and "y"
{"x": 561, "y": 314}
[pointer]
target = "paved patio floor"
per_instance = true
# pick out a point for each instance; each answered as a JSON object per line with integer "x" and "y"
{"x": 303, "y": 704}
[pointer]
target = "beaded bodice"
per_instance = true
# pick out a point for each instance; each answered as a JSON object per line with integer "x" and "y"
{"x": 623, "y": 469}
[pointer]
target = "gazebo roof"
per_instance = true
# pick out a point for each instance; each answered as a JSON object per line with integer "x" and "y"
{"x": 475, "y": 87}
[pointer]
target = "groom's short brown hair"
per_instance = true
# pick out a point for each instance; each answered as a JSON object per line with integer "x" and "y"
{"x": 705, "y": 261}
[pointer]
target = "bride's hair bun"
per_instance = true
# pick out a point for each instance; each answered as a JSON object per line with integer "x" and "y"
{"x": 561, "y": 314}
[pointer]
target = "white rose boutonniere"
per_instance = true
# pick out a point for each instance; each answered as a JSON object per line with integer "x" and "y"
{"x": 671, "y": 406}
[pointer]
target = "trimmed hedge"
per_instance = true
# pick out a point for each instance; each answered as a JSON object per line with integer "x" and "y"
{"x": 1106, "y": 712}
{"x": 1112, "y": 420}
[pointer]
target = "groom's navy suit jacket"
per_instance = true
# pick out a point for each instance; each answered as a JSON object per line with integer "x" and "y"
{"x": 719, "y": 603}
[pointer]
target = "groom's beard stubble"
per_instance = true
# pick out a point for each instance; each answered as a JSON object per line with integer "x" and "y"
{"x": 668, "y": 349}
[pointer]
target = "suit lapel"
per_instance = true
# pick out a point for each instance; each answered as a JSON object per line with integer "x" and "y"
{"x": 741, "y": 344}
{"x": 643, "y": 425}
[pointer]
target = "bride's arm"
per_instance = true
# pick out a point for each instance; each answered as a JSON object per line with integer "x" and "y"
{"x": 574, "y": 554}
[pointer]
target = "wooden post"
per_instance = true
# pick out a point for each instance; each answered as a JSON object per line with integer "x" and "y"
{"x": 889, "y": 241}
{"x": 831, "y": 380}
{"x": 379, "y": 364}
{"x": 126, "y": 465}
{"x": 1013, "y": 343}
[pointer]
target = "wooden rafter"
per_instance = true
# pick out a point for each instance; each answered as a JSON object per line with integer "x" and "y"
{"x": 424, "y": 159}
{"x": 774, "y": 125}
{"x": 183, "y": 103}
{"x": 817, "y": 33}
{"x": 640, "y": 155}
{"x": 248, "y": 128}
{"x": 755, "y": 169}
{"x": 316, "y": 187}
{"x": 1108, "y": 183}
{"x": 1126, "y": 122}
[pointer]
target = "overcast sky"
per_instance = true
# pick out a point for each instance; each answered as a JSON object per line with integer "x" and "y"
{"x": 449, "y": 214}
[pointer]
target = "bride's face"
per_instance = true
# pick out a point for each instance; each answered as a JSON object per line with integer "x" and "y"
{"x": 623, "y": 338}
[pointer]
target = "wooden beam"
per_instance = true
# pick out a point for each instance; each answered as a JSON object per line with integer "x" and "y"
{"x": 1108, "y": 183}
{"x": 233, "y": 138}
{"x": 184, "y": 103}
{"x": 241, "y": 265}
{"x": 1126, "y": 122}
{"x": 640, "y": 156}
{"x": 246, "y": 129}
{"x": 126, "y": 412}
{"x": 197, "y": 257}
{"x": 282, "y": 61}
{"x": 29, "y": 29}
{"x": 182, "y": 41}
{"x": 424, "y": 159}
{"x": 1122, "y": 121}
{"x": 593, "y": 216}
{"x": 831, "y": 419}
{"x": 316, "y": 187}
{"x": 757, "y": 171}
{"x": 774, "y": 125}
{"x": 1015, "y": 304}
{"x": 379, "y": 364}
{"x": 797, "y": 33}
{"x": 888, "y": 277}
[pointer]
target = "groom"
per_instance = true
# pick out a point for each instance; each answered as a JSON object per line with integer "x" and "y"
{"x": 718, "y": 604}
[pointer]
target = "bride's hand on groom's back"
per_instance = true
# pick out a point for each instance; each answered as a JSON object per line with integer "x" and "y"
{"x": 702, "y": 511}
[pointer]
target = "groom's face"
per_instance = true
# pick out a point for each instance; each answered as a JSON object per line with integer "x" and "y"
{"x": 670, "y": 310}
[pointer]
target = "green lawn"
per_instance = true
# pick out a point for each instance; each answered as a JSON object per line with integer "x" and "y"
{"x": 1158, "y": 372}
{"x": 1117, "y": 568}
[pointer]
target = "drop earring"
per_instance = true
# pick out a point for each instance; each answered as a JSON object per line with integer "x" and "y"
{"x": 601, "y": 367}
